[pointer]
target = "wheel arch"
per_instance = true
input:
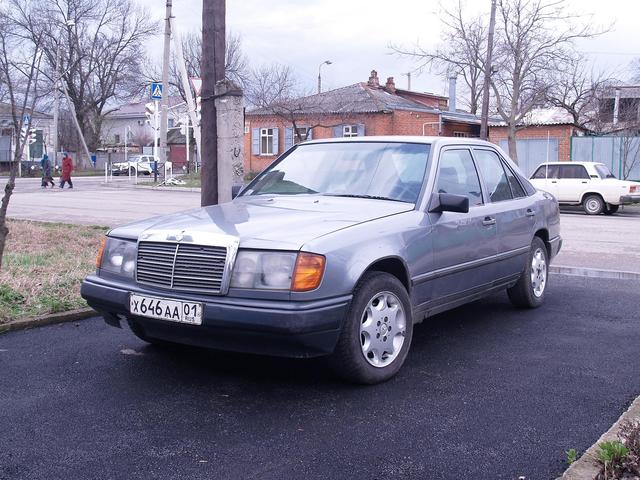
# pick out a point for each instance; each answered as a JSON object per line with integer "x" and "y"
{"x": 586, "y": 194}
{"x": 543, "y": 234}
{"x": 392, "y": 265}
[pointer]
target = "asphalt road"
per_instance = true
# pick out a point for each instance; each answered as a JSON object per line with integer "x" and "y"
{"x": 488, "y": 392}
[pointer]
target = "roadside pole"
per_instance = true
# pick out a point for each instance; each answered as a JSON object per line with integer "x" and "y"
{"x": 56, "y": 108}
{"x": 484, "y": 117}
{"x": 187, "y": 135}
{"x": 126, "y": 157}
{"x": 164, "y": 118}
{"x": 155, "y": 129}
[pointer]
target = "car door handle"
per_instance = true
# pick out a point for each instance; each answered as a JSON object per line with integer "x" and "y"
{"x": 530, "y": 213}
{"x": 554, "y": 181}
{"x": 488, "y": 221}
{"x": 584, "y": 181}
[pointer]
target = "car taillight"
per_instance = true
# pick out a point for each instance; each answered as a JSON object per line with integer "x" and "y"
{"x": 633, "y": 189}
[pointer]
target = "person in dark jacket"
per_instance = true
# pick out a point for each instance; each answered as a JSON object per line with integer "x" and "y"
{"x": 46, "y": 172}
{"x": 67, "y": 168}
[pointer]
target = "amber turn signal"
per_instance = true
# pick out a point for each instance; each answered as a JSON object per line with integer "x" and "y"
{"x": 100, "y": 252}
{"x": 308, "y": 272}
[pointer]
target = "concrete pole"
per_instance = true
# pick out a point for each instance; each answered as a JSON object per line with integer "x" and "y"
{"x": 213, "y": 46}
{"x": 484, "y": 117}
{"x": 56, "y": 108}
{"x": 164, "y": 118}
{"x": 229, "y": 107}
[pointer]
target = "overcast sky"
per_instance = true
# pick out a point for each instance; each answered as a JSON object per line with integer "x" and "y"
{"x": 355, "y": 35}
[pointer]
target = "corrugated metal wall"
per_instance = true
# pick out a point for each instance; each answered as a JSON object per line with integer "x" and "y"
{"x": 610, "y": 151}
{"x": 533, "y": 152}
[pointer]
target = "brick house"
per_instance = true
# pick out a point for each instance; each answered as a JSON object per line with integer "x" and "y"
{"x": 545, "y": 135}
{"x": 365, "y": 108}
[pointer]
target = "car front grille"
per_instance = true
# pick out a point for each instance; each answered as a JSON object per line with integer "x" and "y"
{"x": 181, "y": 266}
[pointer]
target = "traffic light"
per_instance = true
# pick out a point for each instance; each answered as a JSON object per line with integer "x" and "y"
{"x": 32, "y": 136}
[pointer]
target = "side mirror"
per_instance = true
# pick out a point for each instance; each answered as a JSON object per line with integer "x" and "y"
{"x": 449, "y": 202}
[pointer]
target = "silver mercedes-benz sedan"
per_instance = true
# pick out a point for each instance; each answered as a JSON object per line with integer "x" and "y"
{"x": 338, "y": 248}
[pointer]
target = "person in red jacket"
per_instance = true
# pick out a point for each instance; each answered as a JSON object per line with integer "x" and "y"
{"x": 67, "y": 168}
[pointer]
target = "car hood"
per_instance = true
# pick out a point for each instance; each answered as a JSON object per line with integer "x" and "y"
{"x": 271, "y": 222}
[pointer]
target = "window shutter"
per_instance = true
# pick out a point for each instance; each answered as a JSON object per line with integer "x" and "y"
{"x": 337, "y": 131}
{"x": 310, "y": 134}
{"x": 288, "y": 138}
{"x": 361, "y": 130}
{"x": 255, "y": 141}
{"x": 276, "y": 143}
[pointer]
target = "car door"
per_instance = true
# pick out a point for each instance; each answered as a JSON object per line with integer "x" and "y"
{"x": 545, "y": 178}
{"x": 513, "y": 210}
{"x": 573, "y": 181}
{"x": 463, "y": 243}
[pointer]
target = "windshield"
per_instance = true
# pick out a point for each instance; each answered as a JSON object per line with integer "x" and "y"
{"x": 604, "y": 171}
{"x": 390, "y": 171}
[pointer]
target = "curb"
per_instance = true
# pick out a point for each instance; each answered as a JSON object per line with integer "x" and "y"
{"x": 132, "y": 186}
{"x": 594, "y": 272}
{"x": 587, "y": 466}
{"x": 52, "y": 319}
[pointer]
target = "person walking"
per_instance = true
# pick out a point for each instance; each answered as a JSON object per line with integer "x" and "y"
{"x": 46, "y": 172}
{"x": 67, "y": 168}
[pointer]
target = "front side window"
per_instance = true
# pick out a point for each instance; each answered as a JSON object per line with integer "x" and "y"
{"x": 457, "y": 174}
{"x": 381, "y": 170}
{"x": 350, "y": 131}
{"x": 495, "y": 177}
{"x": 573, "y": 171}
{"x": 266, "y": 141}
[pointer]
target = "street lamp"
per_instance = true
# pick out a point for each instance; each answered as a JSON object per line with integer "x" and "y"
{"x": 326, "y": 62}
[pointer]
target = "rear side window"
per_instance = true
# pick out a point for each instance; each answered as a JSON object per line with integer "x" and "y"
{"x": 495, "y": 177}
{"x": 573, "y": 171}
{"x": 457, "y": 174}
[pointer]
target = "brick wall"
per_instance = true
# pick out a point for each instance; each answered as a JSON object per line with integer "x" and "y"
{"x": 395, "y": 123}
{"x": 562, "y": 133}
{"x": 450, "y": 128}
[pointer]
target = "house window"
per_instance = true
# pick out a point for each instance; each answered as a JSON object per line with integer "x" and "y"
{"x": 350, "y": 131}
{"x": 266, "y": 141}
{"x": 116, "y": 138}
{"x": 302, "y": 133}
{"x": 140, "y": 122}
{"x": 460, "y": 134}
{"x": 172, "y": 122}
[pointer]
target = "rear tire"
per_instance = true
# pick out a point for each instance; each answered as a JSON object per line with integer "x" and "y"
{"x": 530, "y": 290}
{"x": 132, "y": 172}
{"x": 611, "y": 209}
{"x": 593, "y": 205}
{"x": 377, "y": 331}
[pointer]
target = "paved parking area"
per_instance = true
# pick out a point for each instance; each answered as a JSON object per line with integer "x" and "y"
{"x": 488, "y": 392}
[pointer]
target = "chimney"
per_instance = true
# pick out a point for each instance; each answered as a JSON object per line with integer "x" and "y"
{"x": 452, "y": 93}
{"x": 373, "y": 80}
{"x": 390, "y": 86}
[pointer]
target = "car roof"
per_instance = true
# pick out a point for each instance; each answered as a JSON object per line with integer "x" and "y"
{"x": 405, "y": 139}
{"x": 571, "y": 163}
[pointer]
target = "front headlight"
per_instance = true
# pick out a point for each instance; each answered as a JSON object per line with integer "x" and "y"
{"x": 299, "y": 272}
{"x": 264, "y": 270}
{"x": 118, "y": 256}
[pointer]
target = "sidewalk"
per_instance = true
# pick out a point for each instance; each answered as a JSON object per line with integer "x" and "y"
{"x": 601, "y": 242}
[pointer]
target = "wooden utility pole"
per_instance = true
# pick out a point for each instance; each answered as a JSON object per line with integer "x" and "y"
{"x": 213, "y": 46}
{"x": 164, "y": 112}
{"x": 484, "y": 117}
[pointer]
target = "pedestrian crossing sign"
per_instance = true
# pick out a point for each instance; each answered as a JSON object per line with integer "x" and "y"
{"x": 156, "y": 91}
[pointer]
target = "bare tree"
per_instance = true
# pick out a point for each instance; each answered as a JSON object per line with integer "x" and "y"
{"x": 275, "y": 90}
{"x": 236, "y": 64}
{"x": 461, "y": 52}
{"x": 20, "y": 58}
{"x": 629, "y": 151}
{"x": 141, "y": 137}
{"x": 578, "y": 91}
{"x": 100, "y": 63}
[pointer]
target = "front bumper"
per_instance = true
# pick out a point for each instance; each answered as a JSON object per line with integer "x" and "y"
{"x": 629, "y": 199}
{"x": 282, "y": 328}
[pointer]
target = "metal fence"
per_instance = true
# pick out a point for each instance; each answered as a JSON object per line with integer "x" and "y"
{"x": 533, "y": 152}
{"x": 610, "y": 151}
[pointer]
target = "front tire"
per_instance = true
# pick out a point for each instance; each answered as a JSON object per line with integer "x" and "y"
{"x": 529, "y": 291}
{"x": 377, "y": 331}
{"x": 593, "y": 205}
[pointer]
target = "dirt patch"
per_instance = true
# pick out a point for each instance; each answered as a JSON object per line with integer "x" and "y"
{"x": 43, "y": 266}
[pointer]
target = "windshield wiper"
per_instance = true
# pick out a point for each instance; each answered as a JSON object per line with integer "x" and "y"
{"x": 353, "y": 195}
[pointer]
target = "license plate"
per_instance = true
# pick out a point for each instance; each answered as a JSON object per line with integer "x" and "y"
{"x": 165, "y": 309}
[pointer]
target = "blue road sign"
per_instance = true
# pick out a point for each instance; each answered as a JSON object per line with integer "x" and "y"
{"x": 26, "y": 118}
{"x": 156, "y": 91}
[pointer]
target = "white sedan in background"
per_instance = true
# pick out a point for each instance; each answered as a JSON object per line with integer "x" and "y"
{"x": 139, "y": 164}
{"x": 589, "y": 184}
